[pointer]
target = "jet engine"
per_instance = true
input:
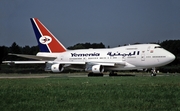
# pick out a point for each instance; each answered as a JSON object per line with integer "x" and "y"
{"x": 57, "y": 68}
{"x": 95, "y": 69}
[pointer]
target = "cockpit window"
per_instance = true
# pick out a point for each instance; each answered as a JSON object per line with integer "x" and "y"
{"x": 157, "y": 47}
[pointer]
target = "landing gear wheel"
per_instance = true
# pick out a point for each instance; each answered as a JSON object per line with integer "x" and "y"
{"x": 112, "y": 74}
{"x": 90, "y": 74}
{"x": 95, "y": 74}
{"x": 153, "y": 72}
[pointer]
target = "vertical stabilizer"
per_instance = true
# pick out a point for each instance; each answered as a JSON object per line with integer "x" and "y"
{"x": 46, "y": 40}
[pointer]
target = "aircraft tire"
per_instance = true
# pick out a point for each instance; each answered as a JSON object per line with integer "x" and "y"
{"x": 112, "y": 74}
{"x": 153, "y": 74}
{"x": 95, "y": 75}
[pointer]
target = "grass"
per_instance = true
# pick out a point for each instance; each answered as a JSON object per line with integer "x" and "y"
{"x": 96, "y": 93}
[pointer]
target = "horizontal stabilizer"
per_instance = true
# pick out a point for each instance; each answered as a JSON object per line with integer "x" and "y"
{"x": 33, "y": 57}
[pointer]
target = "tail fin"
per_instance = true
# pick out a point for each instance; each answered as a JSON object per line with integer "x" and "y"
{"x": 46, "y": 40}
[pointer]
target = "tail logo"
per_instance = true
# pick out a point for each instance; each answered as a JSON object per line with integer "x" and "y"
{"x": 45, "y": 39}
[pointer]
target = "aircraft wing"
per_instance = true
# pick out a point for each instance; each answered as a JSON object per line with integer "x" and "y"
{"x": 24, "y": 62}
{"x": 73, "y": 65}
{"x": 68, "y": 63}
{"x": 89, "y": 63}
{"x": 42, "y": 62}
{"x": 106, "y": 63}
{"x": 33, "y": 57}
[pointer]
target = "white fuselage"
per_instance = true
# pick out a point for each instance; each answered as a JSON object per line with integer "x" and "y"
{"x": 57, "y": 57}
{"x": 126, "y": 57}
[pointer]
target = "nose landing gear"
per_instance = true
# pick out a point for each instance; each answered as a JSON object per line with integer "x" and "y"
{"x": 153, "y": 72}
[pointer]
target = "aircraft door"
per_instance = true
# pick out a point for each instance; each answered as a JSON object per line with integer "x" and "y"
{"x": 61, "y": 58}
{"x": 84, "y": 59}
{"x": 123, "y": 58}
{"x": 143, "y": 56}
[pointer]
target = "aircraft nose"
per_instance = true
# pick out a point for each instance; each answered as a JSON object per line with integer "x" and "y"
{"x": 170, "y": 57}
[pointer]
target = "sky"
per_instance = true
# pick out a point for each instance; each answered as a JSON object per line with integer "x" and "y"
{"x": 112, "y": 22}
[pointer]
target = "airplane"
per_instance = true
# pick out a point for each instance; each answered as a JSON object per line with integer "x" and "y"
{"x": 95, "y": 61}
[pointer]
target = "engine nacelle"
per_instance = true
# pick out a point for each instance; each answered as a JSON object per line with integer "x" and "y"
{"x": 97, "y": 69}
{"x": 57, "y": 68}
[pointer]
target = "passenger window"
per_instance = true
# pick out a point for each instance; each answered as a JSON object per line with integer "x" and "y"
{"x": 149, "y": 48}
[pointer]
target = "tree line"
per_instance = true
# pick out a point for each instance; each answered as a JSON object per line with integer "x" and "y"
{"x": 171, "y": 45}
{"x": 16, "y": 49}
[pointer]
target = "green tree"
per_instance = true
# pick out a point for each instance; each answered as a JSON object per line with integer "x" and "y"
{"x": 4, "y": 53}
{"x": 15, "y": 48}
{"x": 87, "y": 46}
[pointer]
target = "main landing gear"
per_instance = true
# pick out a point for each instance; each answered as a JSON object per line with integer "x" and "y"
{"x": 112, "y": 73}
{"x": 91, "y": 74}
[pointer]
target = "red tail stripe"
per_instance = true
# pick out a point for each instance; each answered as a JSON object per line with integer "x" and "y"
{"x": 54, "y": 46}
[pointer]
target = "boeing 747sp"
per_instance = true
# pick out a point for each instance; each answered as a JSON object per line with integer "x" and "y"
{"x": 57, "y": 57}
